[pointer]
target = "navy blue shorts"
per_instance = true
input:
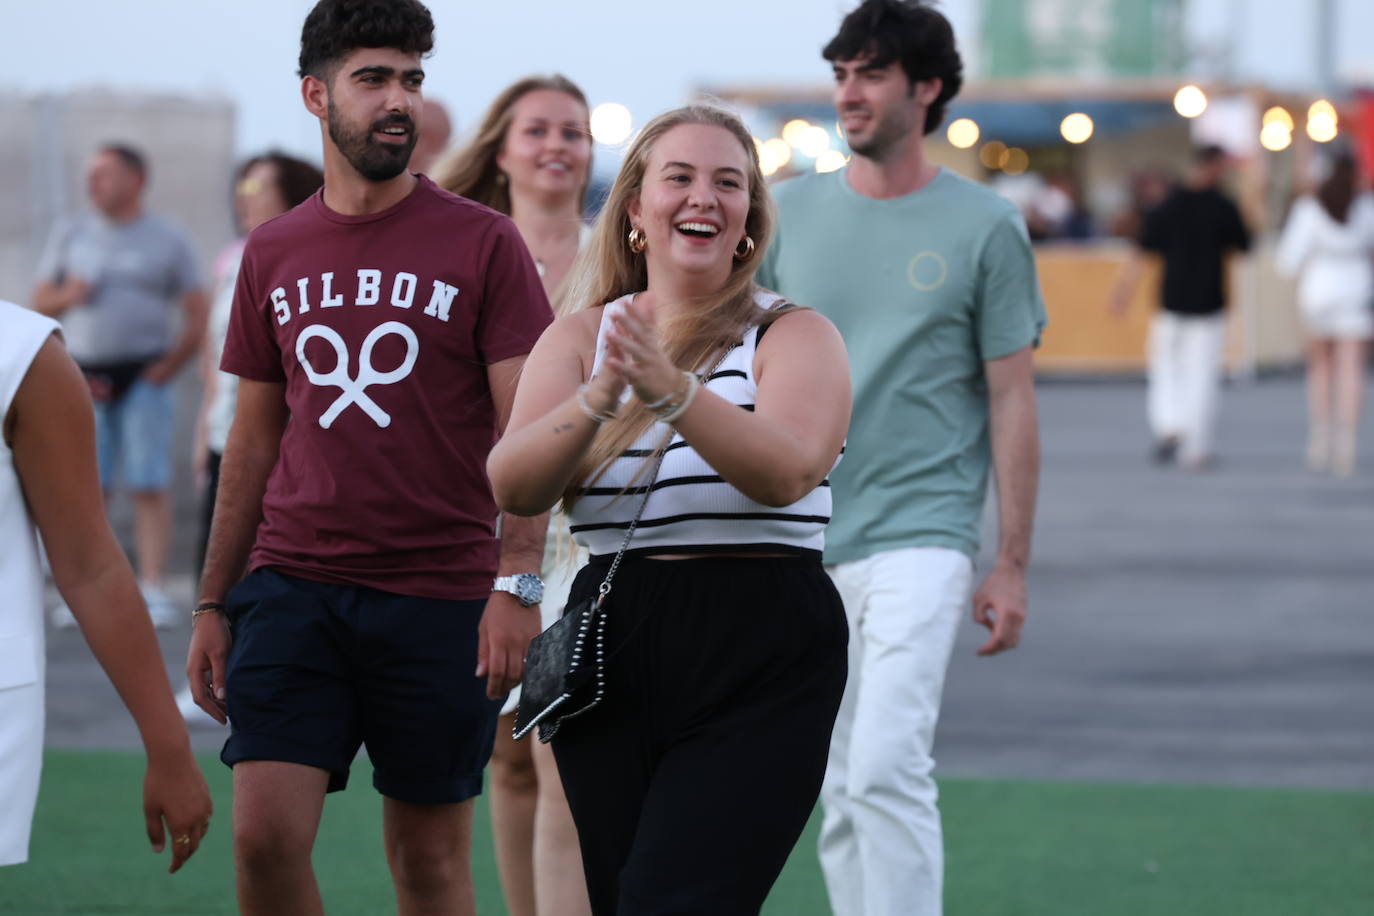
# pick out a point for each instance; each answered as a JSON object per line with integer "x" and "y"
{"x": 318, "y": 670}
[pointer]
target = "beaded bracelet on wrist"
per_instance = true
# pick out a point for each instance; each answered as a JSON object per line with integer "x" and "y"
{"x": 596, "y": 416}
{"x": 674, "y": 412}
{"x": 667, "y": 399}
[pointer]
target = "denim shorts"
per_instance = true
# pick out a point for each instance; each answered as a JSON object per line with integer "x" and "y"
{"x": 133, "y": 437}
{"x": 319, "y": 669}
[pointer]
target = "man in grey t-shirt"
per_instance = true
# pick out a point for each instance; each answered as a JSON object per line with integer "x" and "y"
{"x": 116, "y": 278}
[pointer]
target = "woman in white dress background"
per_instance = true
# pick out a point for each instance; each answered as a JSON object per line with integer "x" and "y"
{"x": 1328, "y": 243}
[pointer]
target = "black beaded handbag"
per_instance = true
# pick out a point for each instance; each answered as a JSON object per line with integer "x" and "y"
{"x": 565, "y": 672}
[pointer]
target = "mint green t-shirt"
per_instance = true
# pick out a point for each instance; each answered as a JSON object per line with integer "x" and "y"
{"x": 924, "y": 288}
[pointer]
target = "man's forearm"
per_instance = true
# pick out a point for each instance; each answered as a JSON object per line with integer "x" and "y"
{"x": 238, "y": 511}
{"x": 49, "y": 299}
{"x": 522, "y": 543}
{"x": 1016, "y": 467}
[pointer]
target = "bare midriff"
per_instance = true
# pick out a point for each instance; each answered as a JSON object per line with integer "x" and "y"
{"x": 700, "y": 556}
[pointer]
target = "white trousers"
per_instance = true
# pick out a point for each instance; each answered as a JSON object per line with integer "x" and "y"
{"x": 1184, "y": 375}
{"x": 881, "y": 848}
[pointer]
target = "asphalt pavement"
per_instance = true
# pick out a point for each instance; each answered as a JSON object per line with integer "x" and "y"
{"x": 1205, "y": 628}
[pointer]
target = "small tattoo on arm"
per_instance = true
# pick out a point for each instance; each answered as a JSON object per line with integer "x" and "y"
{"x": 562, "y": 429}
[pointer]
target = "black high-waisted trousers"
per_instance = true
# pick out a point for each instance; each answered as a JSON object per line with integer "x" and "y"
{"x": 693, "y": 779}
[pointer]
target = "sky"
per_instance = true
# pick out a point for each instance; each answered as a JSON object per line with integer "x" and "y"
{"x": 649, "y": 55}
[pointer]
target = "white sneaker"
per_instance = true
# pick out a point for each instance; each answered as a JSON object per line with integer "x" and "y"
{"x": 61, "y": 618}
{"x": 160, "y": 607}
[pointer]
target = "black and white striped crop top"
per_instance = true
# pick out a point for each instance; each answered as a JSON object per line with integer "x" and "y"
{"x": 690, "y": 508}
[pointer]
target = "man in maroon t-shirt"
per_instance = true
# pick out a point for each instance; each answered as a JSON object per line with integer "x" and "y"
{"x": 378, "y": 330}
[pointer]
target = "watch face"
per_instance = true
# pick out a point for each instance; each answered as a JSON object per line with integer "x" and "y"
{"x": 529, "y": 588}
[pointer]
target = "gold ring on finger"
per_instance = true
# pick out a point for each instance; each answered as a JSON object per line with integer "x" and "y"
{"x": 184, "y": 840}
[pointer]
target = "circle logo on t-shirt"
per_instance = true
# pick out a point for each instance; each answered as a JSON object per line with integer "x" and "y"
{"x": 927, "y": 271}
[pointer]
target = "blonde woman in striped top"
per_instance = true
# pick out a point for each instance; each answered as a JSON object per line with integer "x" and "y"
{"x": 691, "y": 781}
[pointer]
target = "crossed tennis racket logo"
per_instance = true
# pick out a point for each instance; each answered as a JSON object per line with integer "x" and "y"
{"x": 353, "y": 389}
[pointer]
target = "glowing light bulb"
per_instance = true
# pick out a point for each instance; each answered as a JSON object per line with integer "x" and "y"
{"x": 611, "y": 123}
{"x": 792, "y": 131}
{"x": 963, "y": 133}
{"x": 991, "y": 154}
{"x": 830, "y": 160}
{"x": 1275, "y": 137}
{"x": 1277, "y": 114}
{"x": 775, "y": 154}
{"x": 813, "y": 141}
{"x": 1076, "y": 128}
{"x": 1190, "y": 101}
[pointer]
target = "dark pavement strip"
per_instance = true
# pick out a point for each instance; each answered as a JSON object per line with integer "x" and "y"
{"x": 1213, "y": 628}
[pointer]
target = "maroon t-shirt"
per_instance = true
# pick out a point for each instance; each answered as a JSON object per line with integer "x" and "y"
{"x": 382, "y": 327}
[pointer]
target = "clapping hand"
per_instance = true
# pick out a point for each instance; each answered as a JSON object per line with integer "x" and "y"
{"x": 634, "y": 353}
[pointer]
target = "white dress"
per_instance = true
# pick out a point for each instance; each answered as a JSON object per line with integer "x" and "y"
{"x": 1334, "y": 263}
{"x": 22, "y": 333}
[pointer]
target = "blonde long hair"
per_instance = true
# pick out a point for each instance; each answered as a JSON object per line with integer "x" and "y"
{"x": 607, "y": 269}
{"x": 471, "y": 170}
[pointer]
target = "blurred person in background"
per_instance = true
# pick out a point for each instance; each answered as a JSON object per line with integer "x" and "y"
{"x": 931, "y": 280}
{"x": 434, "y": 136}
{"x": 50, "y": 488}
{"x": 531, "y": 159}
{"x": 1147, "y": 189}
{"x": 1193, "y": 231}
{"x": 1056, "y": 211}
{"x": 1328, "y": 243}
{"x": 116, "y": 278}
{"x": 265, "y": 187}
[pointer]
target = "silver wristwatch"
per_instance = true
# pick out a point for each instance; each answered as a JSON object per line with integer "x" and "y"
{"x": 527, "y": 588}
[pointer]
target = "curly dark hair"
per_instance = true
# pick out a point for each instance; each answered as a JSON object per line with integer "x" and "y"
{"x": 335, "y": 28}
{"x": 911, "y": 32}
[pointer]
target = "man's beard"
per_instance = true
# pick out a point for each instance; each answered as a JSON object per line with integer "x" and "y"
{"x": 887, "y": 134}
{"x": 374, "y": 160}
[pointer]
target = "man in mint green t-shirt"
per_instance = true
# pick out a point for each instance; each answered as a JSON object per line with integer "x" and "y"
{"x": 931, "y": 281}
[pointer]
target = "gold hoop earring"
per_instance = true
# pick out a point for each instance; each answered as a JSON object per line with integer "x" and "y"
{"x": 637, "y": 240}
{"x": 748, "y": 252}
{"x": 500, "y": 177}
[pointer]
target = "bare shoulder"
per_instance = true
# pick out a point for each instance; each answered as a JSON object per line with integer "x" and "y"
{"x": 575, "y": 332}
{"x": 800, "y": 328}
{"x": 802, "y": 339}
{"x": 570, "y": 337}
{"x": 52, "y": 379}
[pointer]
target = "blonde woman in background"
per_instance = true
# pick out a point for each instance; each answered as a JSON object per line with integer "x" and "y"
{"x": 531, "y": 159}
{"x": 1328, "y": 243}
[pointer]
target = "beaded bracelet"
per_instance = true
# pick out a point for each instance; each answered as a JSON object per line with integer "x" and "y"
{"x": 669, "y": 398}
{"x": 597, "y": 417}
{"x": 674, "y": 413}
{"x": 672, "y": 400}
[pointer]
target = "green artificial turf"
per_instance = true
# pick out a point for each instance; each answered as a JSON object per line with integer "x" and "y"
{"x": 1058, "y": 849}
